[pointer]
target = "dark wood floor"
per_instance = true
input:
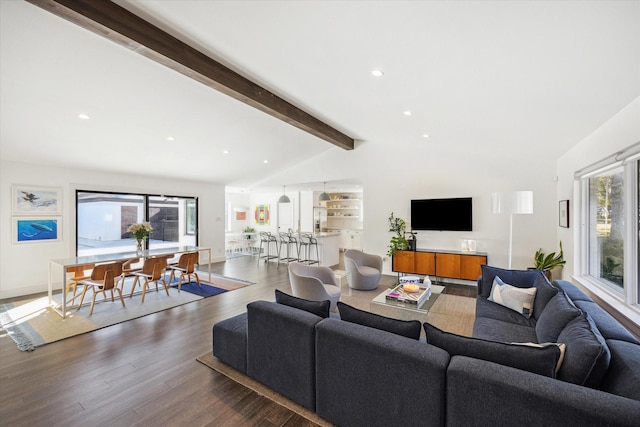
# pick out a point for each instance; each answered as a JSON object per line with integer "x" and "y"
{"x": 143, "y": 372}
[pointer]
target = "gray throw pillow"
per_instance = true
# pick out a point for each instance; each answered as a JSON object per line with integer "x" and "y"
{"x": 546, "y": 291}
{"x": 539, "y": 360}
{"x": 558, "y": 312}
{"x": 319, "y": 308}
{"x": 587, "y": 356}
{"x": 406, "y": 328}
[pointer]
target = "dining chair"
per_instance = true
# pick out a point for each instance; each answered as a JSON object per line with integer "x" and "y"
{"x": 102, "y": 280}
{"x": 79, "y": 274}
{"x": 186, "y": 267}
{"x": 152, "y": 271}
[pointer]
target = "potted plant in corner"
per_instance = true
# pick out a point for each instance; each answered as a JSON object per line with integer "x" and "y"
{"x": 398, "y": 242}
{"x": 546, "y": 263}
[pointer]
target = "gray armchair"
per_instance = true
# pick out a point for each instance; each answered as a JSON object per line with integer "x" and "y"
{"x": 363, "y": 270}
{"x": 314, "y": 283}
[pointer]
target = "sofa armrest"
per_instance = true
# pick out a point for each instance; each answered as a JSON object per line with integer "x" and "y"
{"x": 370, "y": 377}
{"x": 504, "y": 393}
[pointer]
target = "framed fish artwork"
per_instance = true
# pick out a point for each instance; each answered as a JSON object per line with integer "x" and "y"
{"x": 37, "y": 229}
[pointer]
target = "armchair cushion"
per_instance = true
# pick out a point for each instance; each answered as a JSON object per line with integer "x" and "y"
{"x": 319, "y": 308}
{"x": 406, "y": 328}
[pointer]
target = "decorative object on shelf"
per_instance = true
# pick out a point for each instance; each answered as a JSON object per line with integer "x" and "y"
{"x": 563, "y": 213}
{"x": 140, "y": 232}
{"x": 248, "y": 231}
{"x": 468, "y": 245}
{"x": 323, "y": 197}
{"x": 284, "y": 198}
{"x": 36, "y": 200}
{"x": 399, "y": 241}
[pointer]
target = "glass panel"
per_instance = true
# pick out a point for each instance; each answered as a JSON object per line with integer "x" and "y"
{"x": 103, "y": 220}
{"x": 171, "y": 219}
{"x": 606, "y": 228}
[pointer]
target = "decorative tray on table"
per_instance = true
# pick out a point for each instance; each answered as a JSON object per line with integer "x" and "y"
{"x": 399, "y": 294}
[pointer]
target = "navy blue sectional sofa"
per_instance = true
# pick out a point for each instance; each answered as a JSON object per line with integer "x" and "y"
{"x": 356, "y": 375}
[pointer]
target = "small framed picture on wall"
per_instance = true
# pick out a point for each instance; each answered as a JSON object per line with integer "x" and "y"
{"x": 563, "y": 212}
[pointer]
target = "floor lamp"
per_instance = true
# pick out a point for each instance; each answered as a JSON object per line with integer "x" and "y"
{"x": 522, "y": 205}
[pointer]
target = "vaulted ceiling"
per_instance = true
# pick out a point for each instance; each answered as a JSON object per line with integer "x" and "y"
{"x": 521, "y": 77}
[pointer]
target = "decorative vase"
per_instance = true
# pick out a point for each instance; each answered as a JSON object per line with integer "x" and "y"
{"x": 139, "y": 246}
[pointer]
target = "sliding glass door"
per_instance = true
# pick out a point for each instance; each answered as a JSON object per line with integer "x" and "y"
{"x": 103, "y": 219}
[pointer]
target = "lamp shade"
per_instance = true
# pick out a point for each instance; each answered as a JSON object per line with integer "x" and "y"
{"x": 323, "y": 197}
{"x": 523, "y": 202}
{"x": 284, "y": 198}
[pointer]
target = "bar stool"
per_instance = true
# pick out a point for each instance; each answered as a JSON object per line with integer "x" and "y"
{"x": 307, "y": 241}
{"x": 267, "y": 239}
{"x": 286, "y": 240}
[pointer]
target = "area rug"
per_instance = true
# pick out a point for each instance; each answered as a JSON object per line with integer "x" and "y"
{"x": 203, "y": 290}
{"x": 451, "y": 313}
{"x": 31, "y": 323}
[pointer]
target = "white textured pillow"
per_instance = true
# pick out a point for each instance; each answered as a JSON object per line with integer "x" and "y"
{"x": 517, "y": 299}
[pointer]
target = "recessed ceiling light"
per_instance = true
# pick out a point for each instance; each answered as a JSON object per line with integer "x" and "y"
{"x": 225, "y": 152}
{"x": 407, "y": 113}
{"x": 266, "y": 161}
{"x": 170, "y": 138}
{"x": 83, "y": 116}
{"x": 377, "y": 73}
{"x": 424, "y": 135}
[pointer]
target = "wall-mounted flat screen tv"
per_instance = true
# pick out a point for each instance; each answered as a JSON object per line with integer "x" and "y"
{"x": 442, "y": 214}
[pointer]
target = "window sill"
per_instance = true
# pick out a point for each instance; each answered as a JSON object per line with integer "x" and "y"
{"x": 628, "y": 315}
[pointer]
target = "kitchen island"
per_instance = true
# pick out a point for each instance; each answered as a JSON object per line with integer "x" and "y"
{"x": 328, "y": 248}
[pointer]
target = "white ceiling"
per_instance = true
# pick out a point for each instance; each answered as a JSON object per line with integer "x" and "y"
{"x": 521, "y": 77}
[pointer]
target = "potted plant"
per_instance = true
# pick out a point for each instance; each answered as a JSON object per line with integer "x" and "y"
{"x": 398, "y": 242}
{"x": 247, "y": 230}
{"x": 546, "y": 263}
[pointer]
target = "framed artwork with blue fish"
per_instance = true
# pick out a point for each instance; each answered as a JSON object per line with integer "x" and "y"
{"x": 36, "y": 200}
{"x": 37, "y": 229}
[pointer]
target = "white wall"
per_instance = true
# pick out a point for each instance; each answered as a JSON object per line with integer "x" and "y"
{"x": 393, "y": 173}
{"x": 24, "y": 267}
{"x": 619, "y": 132}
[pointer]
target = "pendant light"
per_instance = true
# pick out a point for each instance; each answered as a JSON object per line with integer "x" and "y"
{"x": 324, "y": 197}
{"x": 284, "y": 198}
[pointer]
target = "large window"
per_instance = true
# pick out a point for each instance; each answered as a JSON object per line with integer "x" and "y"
{"x": 103, "y": 220}
{"x": 610, "y": 232}
{"x": 607, "y": 228}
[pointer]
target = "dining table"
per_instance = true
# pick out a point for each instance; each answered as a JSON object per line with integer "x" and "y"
{"x": 61, "y": 267}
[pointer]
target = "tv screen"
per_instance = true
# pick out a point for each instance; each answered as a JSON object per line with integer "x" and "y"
{"x": 442, "y": 214}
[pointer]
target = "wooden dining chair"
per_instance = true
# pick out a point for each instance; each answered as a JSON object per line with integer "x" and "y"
{"x": 102, "y": 280}
{"x": 152, "y": 272}
{"x": 186, "y": 267}
{"x": 79, "y": 274}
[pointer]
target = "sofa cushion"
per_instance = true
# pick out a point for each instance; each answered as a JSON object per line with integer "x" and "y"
{"x": 623, "y": 375}
{"x": 539, "y": 360}
{"x": 519, "y": 300}
{"x": 486, "y": 308}
{"x": 518, "y": 278}
{"x": 555, "y": 316}
{"x": 230, "y": 341}
{"x": 406, "y": 328}
{"x": 498, "y": 330}
{"x": 319, "y": 308}
{"x": 571, "y": 290}
{"x": 587, "y": 356}
{"x": 606, "y": 324}
{"x": 546, "y": 291}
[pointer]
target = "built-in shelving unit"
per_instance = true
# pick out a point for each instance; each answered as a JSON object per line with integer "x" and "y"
{"x": 344, "y": 214}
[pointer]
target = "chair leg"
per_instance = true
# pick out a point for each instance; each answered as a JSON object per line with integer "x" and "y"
{"x": 133, "y": 287}
{"x": 84, "y": 291}
{"x": 120, "y": 295}
{"x": 93, "y": 301}
{"x": 166, "y": 286}
{"x": 144, "y": 289}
